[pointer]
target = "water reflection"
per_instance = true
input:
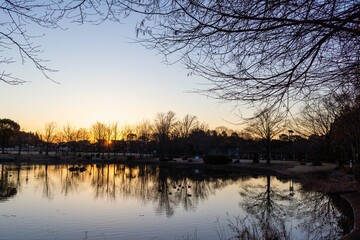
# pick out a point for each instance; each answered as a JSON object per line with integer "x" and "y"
{"x": 317, "y": 215}
{"x": 8, "y": 184}
{"x": 168, "y": 187}
{"x": 273, "y": 203}
{"x": 268, "y": 204}
{"x": 323, "y": 215}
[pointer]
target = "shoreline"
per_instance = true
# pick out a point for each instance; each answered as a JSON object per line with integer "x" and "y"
{"x": 336, "y": 182}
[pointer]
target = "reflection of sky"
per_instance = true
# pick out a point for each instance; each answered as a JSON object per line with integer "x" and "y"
{"x": 106, "y": 206}
{"x": 104, "y": 77}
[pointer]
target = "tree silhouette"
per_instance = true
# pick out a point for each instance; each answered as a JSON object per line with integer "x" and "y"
{"x": 345, "y": 129}
{"x": 8, "y": 129}
{"x": 186, "y": 126}
{"x": 98, "y": 132}
{"x": 266, "y": 124}
{"x": 257, "y": 50}
{"x": 164, "y": 125}
{"x": 248, "y": 50}
{"x": 316, "y": 120}
{"x": 48, "y": 135}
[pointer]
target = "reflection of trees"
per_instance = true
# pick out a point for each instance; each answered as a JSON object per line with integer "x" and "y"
{"x": 70, "y": 181}
{"x": 321, "y": 215}
{"x": 264, "y": 199}
{"x": 270, "y": 204}
{"x": 45, "y": 181}
{"x": 186, "y": 187}
{"x": 267, "y": 204}
{"x": 7, "y": 185}
{"x": 168, "y": 187}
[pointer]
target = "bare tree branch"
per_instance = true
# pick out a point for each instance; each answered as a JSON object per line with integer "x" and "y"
{"x": 259, "y": 50}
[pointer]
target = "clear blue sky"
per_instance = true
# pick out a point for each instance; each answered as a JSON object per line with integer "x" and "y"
{"x": 103, "y": 77}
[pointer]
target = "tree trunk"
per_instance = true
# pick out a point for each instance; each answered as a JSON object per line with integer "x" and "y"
{"x": 268, "y": 151}
{"x": 47, "y": 149}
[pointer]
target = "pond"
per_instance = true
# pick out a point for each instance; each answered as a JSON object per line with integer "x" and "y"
{"x": 119, "y": 201}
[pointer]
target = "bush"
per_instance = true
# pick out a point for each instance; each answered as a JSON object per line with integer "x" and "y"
{"x": 356, "y": 171}
{"x": 217, "y": 159}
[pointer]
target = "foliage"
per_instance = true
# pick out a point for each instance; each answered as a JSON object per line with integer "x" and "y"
{"x": 217, "y": 159}
{"x": 8, "y": 129}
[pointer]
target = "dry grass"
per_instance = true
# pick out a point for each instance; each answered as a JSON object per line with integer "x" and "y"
{"x": 332, "y": 182}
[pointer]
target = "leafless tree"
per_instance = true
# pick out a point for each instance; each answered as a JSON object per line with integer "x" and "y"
{"x": 266, "y": 124}
{"x": 249, "y": 50}
{"x": 70, "y": 136}
{"x": 345, "y": 129}
{"x": 14, "y": 37}
{"x": 203, "y": 127}
{"x": 116, "y": 135}
{"x": 69, "y": 133}
{"x": 317, "y": 117}
{"x": 187, "y": 125}
{"x": 83, "y": 136}
{"x": 48, "y": 135}
{"x": 17, "y": 37}
{"x": 126, "y": 130}
{"x": 164, "y": 125}
{"x": 224, "y": 131}
{"x": 144, "y": 130}
{"x": 257, "y": 50}
{"x": 98, "y": 132}
{"x": 109, "y": 135}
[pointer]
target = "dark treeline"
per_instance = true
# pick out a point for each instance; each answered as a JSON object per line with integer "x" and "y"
{"x": 327, "y": 130}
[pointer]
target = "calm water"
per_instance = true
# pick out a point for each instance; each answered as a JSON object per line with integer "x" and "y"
{"x": 152, "y": 202}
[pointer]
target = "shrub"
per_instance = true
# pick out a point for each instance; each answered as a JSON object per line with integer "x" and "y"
{"x": 217, "y": 159}
{"x": 356, "y": 171}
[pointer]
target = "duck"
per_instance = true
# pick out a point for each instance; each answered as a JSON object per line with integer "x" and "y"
{"x": 73, "y": 169}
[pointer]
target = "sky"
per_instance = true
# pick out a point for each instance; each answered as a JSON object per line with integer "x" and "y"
{"x": 103, "y": 76}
